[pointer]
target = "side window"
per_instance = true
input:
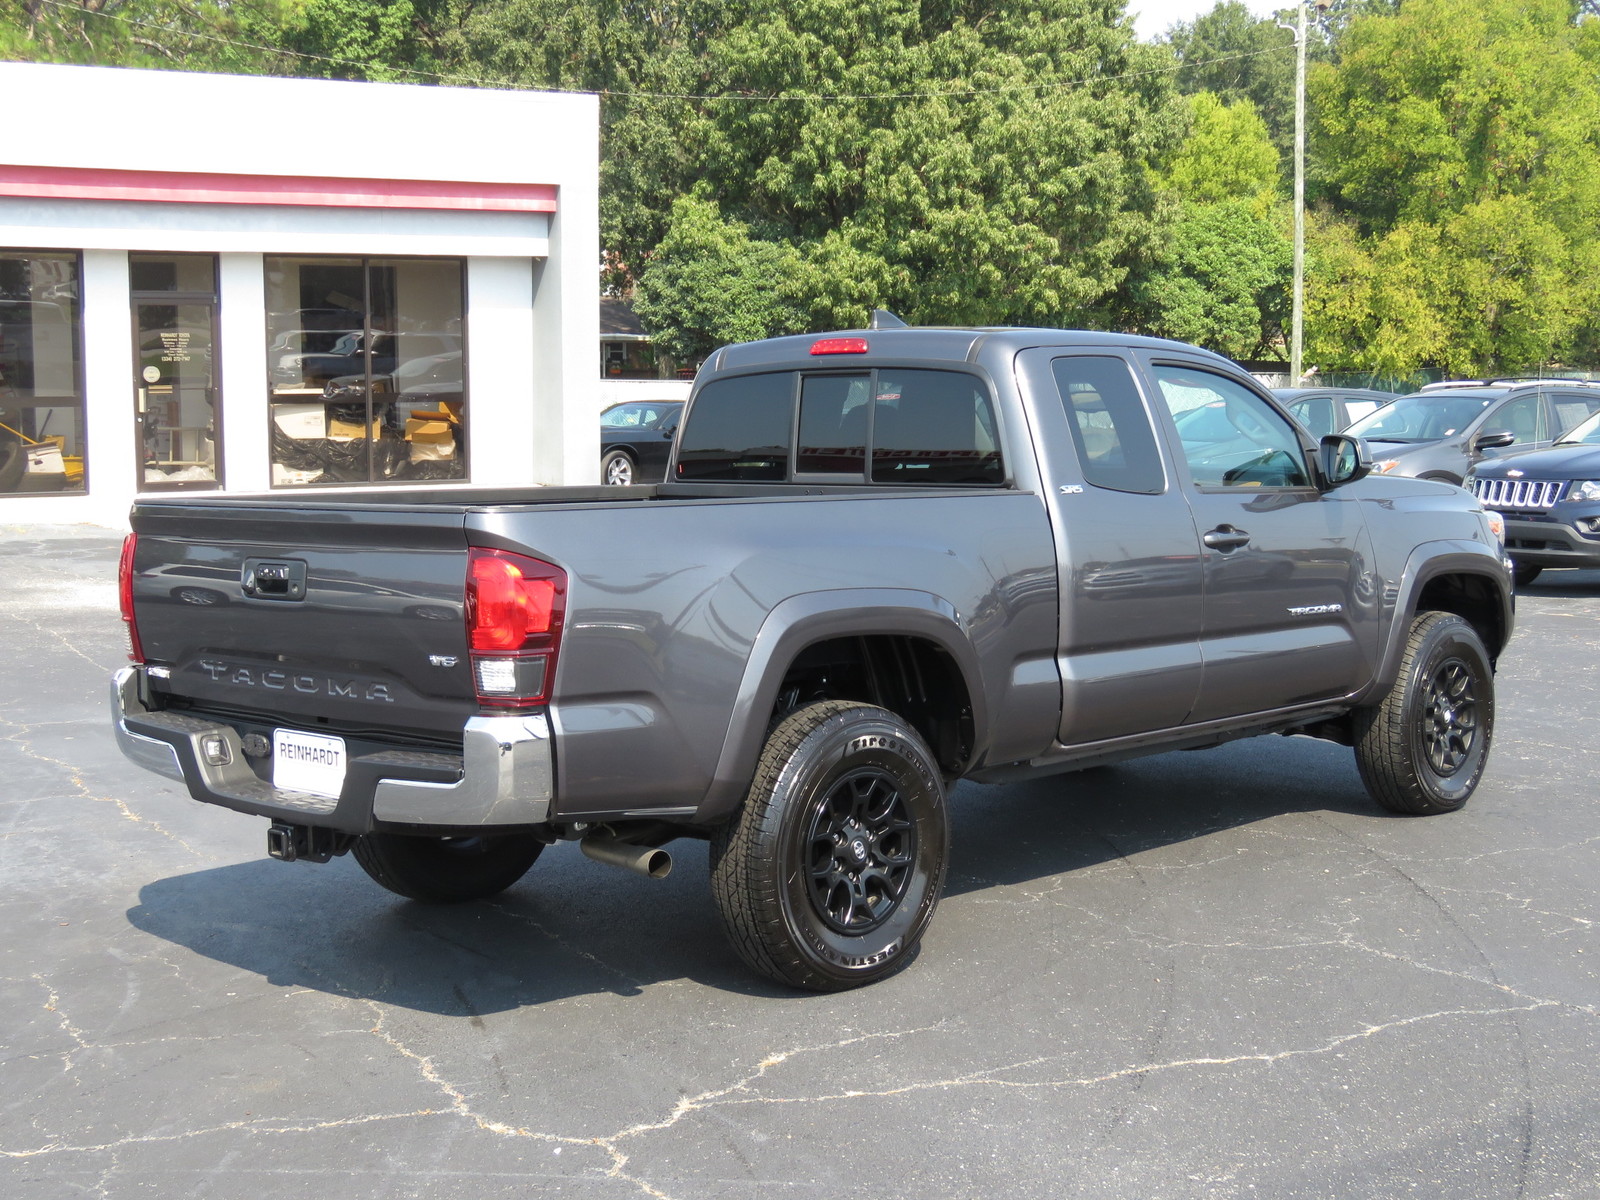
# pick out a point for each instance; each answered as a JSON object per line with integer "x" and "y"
{"x": 1520, "y": 416}
{"x": 833, "y": 425}
{"x": 739, "y": 430}
{"x": 1230, "y": 436}
{"x": 1315, "y": 413}
{"x": 934, "y": 427}
{"x": 1572, "y": 408}
{"x": 1110, "y": 427}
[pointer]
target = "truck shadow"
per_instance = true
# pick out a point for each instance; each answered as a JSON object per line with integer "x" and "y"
{"x": 572, "y": 928}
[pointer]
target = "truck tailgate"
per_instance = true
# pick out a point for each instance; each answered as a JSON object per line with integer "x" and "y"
{"x": 346, "y": 618}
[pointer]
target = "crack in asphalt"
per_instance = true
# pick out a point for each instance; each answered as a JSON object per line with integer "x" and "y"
{"x": 742, "y": 1091}
{"x": 74, "y": 778}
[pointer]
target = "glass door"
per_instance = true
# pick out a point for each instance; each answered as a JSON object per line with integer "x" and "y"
{"x": 175, "y": 373}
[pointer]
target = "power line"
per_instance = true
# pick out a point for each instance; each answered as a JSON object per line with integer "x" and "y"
{"x": 710, "y": 98}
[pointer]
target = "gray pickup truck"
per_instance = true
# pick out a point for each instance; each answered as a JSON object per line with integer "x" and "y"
{"x": 884, "y": 560}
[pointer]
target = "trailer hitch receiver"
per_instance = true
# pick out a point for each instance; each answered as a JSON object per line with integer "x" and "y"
{"x": 305, "y": 843}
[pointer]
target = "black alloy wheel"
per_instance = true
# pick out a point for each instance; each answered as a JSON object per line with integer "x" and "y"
{"x": 828, "y": 873}
{"x": 862, "y": 847}
{"x": 1449, "y": 729}
{"x": 1423, "y": 747}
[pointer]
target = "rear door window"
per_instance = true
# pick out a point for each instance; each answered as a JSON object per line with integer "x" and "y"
{"x": 1573, "y": 407}
{"x": 1316, "y": 414}
{"x": 1110, "y": 427}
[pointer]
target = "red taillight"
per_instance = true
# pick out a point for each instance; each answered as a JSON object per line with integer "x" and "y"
{"x": 125, "y": 597}
{"x": 840, "y": 345}
{"x": 515, "y": 606}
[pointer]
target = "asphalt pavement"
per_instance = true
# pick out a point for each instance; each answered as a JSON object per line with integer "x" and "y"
{"x": 1204, "y": 975}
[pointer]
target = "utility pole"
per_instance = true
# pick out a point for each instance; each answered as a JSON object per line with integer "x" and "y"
{"x": 1297, "y": 299}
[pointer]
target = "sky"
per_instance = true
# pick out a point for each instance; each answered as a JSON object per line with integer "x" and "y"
{"x": 1152, "y": 17}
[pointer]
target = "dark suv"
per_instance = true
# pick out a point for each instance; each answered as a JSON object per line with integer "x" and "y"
{"x": 1444, "y": 430}
{"x": 1550, "y": 500}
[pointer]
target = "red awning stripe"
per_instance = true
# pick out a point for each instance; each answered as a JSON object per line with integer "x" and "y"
{"x": 182, "y": 187}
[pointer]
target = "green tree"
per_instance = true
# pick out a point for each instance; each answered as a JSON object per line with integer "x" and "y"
{"x": 645, "y": 60}
{"x": 953, "y": 162}
{"x": 1227, "y": 154}
{"x": 1236, "y": 55}
{"x": 1219, "y": 275}
{"x": 1459, "y": 145}
{"x": 166, "y": 34}
{"x": 711, "y": 283}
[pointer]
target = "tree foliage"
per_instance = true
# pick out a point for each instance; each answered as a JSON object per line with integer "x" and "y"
{"x": 1459, "y": 143}
{"x": 1235, "y": 56}
{"x": 1219, "y": 275}
{"x": 712, "y": 283}
{"x": 953, "y": 162}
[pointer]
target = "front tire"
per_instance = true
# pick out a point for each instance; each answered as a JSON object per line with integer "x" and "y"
{"x": 1523, "y": 574}
{"x": 446, "y": 870}
{"x": 617, "y": 469}
{"x": 829, "y": 873}
{"x": 1422, "y": 749}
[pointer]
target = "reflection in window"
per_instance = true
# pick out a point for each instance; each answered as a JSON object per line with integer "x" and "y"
{"x": 740, "y": 431}
{"x": 175, "y": 369}
{"x": 1230, "y": 436}
{"x": 365, "y": 364}
{"x": 41, "y": 403}
{"x": 1110, "y": 428}
{"x": 934, "y": 427}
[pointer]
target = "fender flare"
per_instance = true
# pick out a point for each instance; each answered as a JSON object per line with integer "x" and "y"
{"x": 812, "y": 617}
{"x": 1427, "y": 562}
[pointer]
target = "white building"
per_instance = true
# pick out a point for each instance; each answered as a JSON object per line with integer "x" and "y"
{"x": 232, "y": 283}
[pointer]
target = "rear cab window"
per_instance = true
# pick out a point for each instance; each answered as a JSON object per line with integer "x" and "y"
{"x": 897, "y": 426}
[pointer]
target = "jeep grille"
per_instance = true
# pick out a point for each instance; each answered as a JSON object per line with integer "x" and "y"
{"x": 1522, "y": 494}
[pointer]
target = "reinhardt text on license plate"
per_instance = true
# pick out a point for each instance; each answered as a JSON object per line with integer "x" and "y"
{"x": 308, "y": 762}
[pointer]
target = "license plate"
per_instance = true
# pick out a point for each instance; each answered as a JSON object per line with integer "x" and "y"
{"x": 308, "y": 762}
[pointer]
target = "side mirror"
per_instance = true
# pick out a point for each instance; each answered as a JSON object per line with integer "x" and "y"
{"x": 1494, "y": 439}
{"x": 1343, "y": 460}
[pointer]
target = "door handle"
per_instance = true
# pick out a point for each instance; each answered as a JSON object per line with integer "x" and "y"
{"x": 1226, "y": 537}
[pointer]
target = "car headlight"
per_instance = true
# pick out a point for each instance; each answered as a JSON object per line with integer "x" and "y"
{"x": 1584, "y": 489}
{"x": 1497, "y": 525}
{"x": 1384, "y": 466}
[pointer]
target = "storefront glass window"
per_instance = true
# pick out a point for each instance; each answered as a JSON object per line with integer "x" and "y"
{"x": 41, "y": 399}
{"x": 365, "y": 368}
{"x": 174, "y": 300}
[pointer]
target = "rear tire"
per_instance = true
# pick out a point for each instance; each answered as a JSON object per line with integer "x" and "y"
{"x": 1524, "y": 574}
{"x": 829, "y": 872}
{"x": 446, "y": 870}
{"x": 617, "y": 469}
{"x": 1423, "y": 747}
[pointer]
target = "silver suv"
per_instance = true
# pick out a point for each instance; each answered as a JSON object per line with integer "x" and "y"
{"x": 1444, "y": 430}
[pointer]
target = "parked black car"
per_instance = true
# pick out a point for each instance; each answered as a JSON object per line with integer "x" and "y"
{"x": 1329, "y": 409}
{"x": 349, "y": 356}
{"x": 421, "y": 383}
{"x": 1550, "y": 500}
{"x": 635, "y": 439}
{"x": 1444, "y": 430}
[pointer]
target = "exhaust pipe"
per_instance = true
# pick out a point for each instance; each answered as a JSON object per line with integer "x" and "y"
{"x": 646, "y": 860}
